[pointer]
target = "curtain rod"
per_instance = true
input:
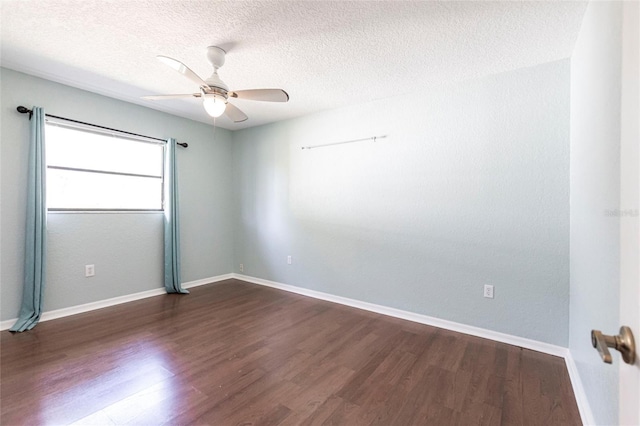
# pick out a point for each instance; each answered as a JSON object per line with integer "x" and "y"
{"x": 372, "y": 138}
{"x": 24, "y": 110}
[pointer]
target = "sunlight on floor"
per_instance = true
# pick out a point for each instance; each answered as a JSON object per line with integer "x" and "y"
{"x": 151, "y": 406}
{"x": 144, "y": 395}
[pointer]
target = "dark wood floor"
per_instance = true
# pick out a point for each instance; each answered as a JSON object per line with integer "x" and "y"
{"x": 237, "y": 353}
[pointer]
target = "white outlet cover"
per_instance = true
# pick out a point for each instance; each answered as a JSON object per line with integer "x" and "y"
{"x": 89, "y": 270}
{"x": 488, "y": 291}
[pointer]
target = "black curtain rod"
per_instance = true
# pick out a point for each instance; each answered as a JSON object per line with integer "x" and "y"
{"x": 24, "y": 110}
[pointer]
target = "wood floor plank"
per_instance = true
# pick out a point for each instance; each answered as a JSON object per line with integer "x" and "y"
{"x": 396, "y": 398}
{"x": 352, "y": 388}
{"x": 237, "y": 353}
{"x": 314, "y": 417}
{"x": 384, "y": 379}
{"x": 345, "y": 413}
{"x": 416, "y": 399}
{"x": 312, "y": 397}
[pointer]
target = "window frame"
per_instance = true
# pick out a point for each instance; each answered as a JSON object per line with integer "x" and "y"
{"x": 73, "y": 125}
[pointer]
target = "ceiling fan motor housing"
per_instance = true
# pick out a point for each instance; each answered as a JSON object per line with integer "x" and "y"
{"x": 215, "y": 82}
{"x": 216, "y": 56}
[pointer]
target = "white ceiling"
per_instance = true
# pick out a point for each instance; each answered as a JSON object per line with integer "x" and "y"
{"x": 325, "y": 54}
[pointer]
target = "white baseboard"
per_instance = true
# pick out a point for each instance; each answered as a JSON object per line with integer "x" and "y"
{"x": 78, "y": 309}
{"x": 206, "y": 281}
{"x": 581, "y": 399}
{"x": 412, "y": 316}
{"x": 578, "y": 390}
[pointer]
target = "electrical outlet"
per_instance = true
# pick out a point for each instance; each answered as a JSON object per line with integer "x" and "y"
{"x": 89, "y": 270}
{"x": 488, "y": 291}
{"x": 288, "y": 260}
{"x": 241, "y": 267}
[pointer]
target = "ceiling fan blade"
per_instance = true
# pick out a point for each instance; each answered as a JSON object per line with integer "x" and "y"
{"x": 182, "y": 69}
{"x": 269, "y": 95}
{"x": 162, "y": 97}
{"x": 234, "y": 113}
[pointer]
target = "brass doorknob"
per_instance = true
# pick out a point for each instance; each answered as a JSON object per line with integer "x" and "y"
{"x": 623, "y": 342}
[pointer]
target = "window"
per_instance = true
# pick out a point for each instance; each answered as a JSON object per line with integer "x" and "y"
{"x": 98, "y": 171}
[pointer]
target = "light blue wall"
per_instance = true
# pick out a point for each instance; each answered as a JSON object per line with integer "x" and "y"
{"x": 471, "y": 187}
{"x": 125, "y": 248}
{"x": 595, "y": 189}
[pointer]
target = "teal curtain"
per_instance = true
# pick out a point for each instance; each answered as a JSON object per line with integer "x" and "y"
{"x": 35, "y": 259}
{"x": 171, "y": 222}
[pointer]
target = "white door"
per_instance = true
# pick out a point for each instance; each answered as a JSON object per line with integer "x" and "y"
{"x": 629, "y": 375}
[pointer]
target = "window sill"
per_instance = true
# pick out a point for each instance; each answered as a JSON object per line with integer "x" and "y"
{"x": 105, "y": 211}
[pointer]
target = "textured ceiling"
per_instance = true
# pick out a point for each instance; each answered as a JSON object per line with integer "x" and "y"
{"x": 325, "y": 54}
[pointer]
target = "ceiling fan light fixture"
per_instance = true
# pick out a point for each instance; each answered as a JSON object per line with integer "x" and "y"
{"x": 214, "y": 104}
{"x": 214, "y": 92}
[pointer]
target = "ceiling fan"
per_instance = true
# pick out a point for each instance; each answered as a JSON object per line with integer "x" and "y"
{"x": 214, "y": 93}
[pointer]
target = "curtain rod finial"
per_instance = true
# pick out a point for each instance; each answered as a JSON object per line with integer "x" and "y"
{"x": 24, "y": 110}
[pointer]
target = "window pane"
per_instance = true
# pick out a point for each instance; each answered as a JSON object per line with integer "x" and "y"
{"x": 84, "y": 190}
{"x": 87, "y": 150}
